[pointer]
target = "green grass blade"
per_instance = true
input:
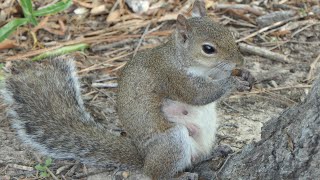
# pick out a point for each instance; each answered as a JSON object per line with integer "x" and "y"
{"x": 27, "y": 9}
{"x": 11, "y": 26}
{"x": 60, "y": 51}
{"x": 39, "y": 167}
{"x": 48, "y": 162}
{"x": 57, "y": 7}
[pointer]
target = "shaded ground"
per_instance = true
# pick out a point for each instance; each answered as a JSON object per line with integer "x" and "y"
{"x": 113, "y": 39}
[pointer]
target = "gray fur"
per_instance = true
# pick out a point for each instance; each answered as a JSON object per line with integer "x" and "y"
{"x": 163, "y": 73}
{"x": 48, "y": 114}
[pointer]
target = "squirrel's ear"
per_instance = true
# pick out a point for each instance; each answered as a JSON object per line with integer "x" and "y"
{"x": 182, "y": 27}
{"x": 199, "y": 9}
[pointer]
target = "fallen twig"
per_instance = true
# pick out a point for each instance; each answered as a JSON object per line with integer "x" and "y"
{"x": 260, "y": 91}
{"x": 62, "y": 168}
{"x": 141, "y": 39}
{"x": 101, "y": 47}
{"x": 41, "y": 25}
{"x": 105, "y": 85}
{"x": 17, "y": 166}
{"x": 238, "y": 23}
{"x": 310, "y": 75}
{"x": 263, "y": 52}
{"x": 305, "y": 27}
{"x": 73, "y": 169}
{"x": 271, "y": 96}
{"x": 87, "y": 40}
{"x": 100, "y": 65}
{"x": 51, "y": 173}
{"x": 254, "y": 10}
{"x": 83, "y": 4}
{"x": 269, "y": 27}
{"x": 29, "y": 54}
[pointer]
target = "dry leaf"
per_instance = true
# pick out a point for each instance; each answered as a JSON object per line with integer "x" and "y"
{"x": 113, "y": 16}
{"x": 209, "y": 4}
{"x": 280, "y": 33}
{"x": 98, "y": 10}
{"x": 7, "y": 44}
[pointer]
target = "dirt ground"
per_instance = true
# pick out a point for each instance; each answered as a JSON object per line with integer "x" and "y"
{"x": 113, "y": 41}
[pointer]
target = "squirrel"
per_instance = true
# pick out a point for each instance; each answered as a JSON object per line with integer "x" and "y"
{"x": 166, "y": 102}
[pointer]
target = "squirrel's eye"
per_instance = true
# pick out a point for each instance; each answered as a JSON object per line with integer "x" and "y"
{"x": 208, "y": 49}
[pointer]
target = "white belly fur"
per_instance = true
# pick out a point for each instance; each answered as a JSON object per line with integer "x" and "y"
{"x": 202, "y": 118}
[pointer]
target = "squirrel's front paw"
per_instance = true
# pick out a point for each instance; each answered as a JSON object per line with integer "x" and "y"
{"x": 244, "y": 79}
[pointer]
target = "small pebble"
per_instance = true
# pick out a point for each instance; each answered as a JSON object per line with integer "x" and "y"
{"x": 138, "y": 6}
{"x": 22, "y": 38}
{"x": 80, "y": 11}
{"x": 258, "y": 86}
{"x": 273, "y": 83}
{"x": 125, "y": 174}
{"x": 316, "y": 10}
{"x": 227, "y": 117}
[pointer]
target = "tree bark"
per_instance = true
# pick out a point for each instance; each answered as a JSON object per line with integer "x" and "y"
{"x": 288, "y": 149}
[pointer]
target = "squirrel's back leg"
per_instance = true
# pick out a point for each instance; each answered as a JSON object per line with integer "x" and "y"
{"x": 168, "y": 153}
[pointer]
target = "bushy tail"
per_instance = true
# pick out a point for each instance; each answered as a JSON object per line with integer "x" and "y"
{"x": 45, "y": 105}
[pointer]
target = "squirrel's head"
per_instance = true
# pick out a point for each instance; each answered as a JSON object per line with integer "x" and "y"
{"x": 206, "y": 41}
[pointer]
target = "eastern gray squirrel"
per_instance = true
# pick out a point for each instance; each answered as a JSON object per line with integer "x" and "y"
{"x": 166, "y": 102}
